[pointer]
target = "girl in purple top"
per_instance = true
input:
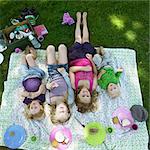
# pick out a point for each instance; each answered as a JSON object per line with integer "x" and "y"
{"x": 34, "y": 90}
{"x": 58, "y": 84}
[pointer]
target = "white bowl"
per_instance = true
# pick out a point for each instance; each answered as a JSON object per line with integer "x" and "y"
{"x": 1, "y": 58}
{"x": 3, "y": 48}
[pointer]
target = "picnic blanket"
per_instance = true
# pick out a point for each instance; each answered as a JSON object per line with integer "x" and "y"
{"x": 11, "y": 111}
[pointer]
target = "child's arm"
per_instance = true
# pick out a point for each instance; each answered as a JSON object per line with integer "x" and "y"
{"x": 41, "y": 90}
{"x": 89, "y": 56}
{"x": 80, "y": 68}
{"x": 72, "y": 79}
{"x": 24, "y": 93}
{"x": 118, "y": 73}
{"x": 47, "y": 111}
{"x": 94, "y": 82}
{"x": 101, "y": 73}
{"x": 70, "y": 91}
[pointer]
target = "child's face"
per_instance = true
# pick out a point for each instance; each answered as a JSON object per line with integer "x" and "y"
{"x": 62, "y": 113}
{"x": 113, "y": 90}
{"x": 35, "y": 107}
{"x": 84, "y": 95}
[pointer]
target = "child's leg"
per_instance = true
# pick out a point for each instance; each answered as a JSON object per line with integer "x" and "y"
{"x": 24, "y": 66}
{"x": 85, "y": 37}
{"x": 51, "y": 59}
{"x": 62, "y": 52}
{"x": 33, "y": 52}
{"x": 78, "y": 30}
{"x": 23, "y": 59}
{"x": 30, "y": 60}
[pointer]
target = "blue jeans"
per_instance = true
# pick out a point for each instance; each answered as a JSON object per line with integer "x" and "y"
{"x": 53, "y": 73}
{"x": 27, "y": 72}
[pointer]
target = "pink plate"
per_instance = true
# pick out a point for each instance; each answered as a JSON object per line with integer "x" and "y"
{"x": 123, "y": 113}
{"x": 65, "y": 132}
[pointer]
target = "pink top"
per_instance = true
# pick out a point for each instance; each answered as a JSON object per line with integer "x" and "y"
{"x": 83, "y": 75}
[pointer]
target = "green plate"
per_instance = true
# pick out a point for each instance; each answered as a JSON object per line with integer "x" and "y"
{"x": 94, "y": 133}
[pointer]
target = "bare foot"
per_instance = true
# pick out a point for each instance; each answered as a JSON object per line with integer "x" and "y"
{"x": 27, "y": 50}
{"x": 102, "y": 51}
{"x": 78, "y": 14}
{"x": 33, "y": 52}
{"x": 84, "y": 16}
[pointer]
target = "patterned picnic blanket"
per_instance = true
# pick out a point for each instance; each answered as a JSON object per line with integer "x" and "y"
{"x": 11, "y": 111}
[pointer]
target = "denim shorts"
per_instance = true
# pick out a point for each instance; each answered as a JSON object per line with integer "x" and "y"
{"x": 53, "y": 72}
{"x": 27, "y": 72}
{"x": 77, "y": 50}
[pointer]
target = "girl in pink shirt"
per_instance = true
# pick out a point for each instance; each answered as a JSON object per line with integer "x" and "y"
{"x": 82, "y": 71}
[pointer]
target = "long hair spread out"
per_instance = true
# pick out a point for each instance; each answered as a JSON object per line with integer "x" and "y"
{"x": 86, "y": 107}
{"x": 53, "y": 118}
{"x": 37, "y": 116}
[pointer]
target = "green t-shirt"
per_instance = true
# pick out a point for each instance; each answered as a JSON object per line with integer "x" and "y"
{"x": 108, "y": 77}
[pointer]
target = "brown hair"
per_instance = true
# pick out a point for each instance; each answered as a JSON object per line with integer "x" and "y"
{"x": 89, "y": 107}
{"x": 53, "y": 110}
{"x": 37, "y": 116}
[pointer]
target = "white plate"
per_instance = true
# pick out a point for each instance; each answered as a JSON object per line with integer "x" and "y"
{"x": 1, "y": 58}
{"x": 3, "y": 48}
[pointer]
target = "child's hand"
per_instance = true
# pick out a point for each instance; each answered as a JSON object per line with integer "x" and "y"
{"x": 62, "y": 69}
{"x": 120, "y": 70}
{"x": 89, "y": 56}
{"x": 54, "y": 85}
{"x": 51, "y": 85}
{"x": 103, "y": 71}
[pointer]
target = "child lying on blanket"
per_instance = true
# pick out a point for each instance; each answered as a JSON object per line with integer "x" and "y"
{"x": 59, "y": 86}
{"x": 34, "y": 89}
{"x": 107, "y": 78}
{"x": 82, "y": 70}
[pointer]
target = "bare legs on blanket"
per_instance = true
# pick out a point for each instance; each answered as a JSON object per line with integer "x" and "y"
{"x": 51, "y": 59}
{"x": 85, "y": 37}
{"x": 62, "y": 53}
{"x": 29, "y": 58}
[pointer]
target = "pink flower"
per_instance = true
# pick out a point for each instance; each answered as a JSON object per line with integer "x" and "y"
{"x": 18, "y": 50}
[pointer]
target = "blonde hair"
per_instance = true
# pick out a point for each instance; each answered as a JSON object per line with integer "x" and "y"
{"x": 86, "y": 107}
{"x": 53, "y": 117}
{"x": 36, "y": 116}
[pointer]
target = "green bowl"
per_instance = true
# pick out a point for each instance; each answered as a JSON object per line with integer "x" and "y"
{"x": 94, "y": 133}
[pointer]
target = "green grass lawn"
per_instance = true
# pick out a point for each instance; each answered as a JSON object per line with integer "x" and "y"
{"x": 111, "y": 24}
